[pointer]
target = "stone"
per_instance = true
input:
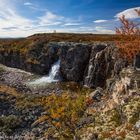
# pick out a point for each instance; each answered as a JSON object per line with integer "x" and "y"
{"x": 97, "y": 94}
{"x": 119, "y": 65}
{"x": 137, "y": 125}
{"x": 137, "y": 61}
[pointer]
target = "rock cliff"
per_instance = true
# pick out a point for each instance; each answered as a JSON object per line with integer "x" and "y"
{"x": 88, "y": 63}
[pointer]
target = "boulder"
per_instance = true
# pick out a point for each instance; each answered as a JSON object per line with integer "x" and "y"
{"x": 97, "y": 94}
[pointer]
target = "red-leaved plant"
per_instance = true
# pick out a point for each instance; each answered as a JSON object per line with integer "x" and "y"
{"x": 129, "y": 38}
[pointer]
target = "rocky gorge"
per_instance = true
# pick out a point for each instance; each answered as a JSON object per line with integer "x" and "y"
{"x": 87, "y": 63}
{"x": 110, "y": 83}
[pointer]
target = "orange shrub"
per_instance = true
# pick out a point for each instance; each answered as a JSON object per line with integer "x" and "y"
{"x": 129, "y": 38}
{"x": 64, "y": 113}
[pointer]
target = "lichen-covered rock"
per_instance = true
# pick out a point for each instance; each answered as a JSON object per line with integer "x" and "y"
{"x": 123, "y": 87}
{"x": 132, "y": 110}
{"x": 116, "y": 116}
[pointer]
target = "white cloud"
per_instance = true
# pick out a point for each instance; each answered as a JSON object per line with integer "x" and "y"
{"x": 34, "y": 7}
{"x": 72, "y": 24}
{"x": 11, "y": 23}
{"x": 28, "y": 4}
{"x": 129, "y": 13}
{"x": 10, "y": 18}
{"x": 50, "y": 19}
{"x": 103, "y": 30}
{"x": 100, "y": 21}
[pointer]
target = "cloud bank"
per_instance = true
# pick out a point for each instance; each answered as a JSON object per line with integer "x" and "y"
{"x": 129, "y": 13}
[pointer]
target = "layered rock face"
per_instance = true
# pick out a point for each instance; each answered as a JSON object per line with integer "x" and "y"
{"x": 74, "y": 58}
{"x": 90, "y": 64}
{"x": 103, "y": 63}
{"x": 38, "y": 59}
{"x": 100, "y": 65}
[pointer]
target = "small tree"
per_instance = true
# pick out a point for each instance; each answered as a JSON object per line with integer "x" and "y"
{"x": 129, "y": 38}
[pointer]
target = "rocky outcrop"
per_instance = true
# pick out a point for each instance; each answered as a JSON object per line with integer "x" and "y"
{"x": 123, "y": 88}
{"x": 102, "y": 64}
{"x": 38, "y": 59}
{"x": 74, "y": 58}
{"x": 97, "y": 94}
{"x": 116, "y": 111}
{"x": 90, "y": 64}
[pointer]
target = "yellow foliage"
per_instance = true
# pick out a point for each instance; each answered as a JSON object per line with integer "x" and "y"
{"x": 63, "y": 112}
{"x": 41, "y": 119}
{"x": 9, "y": 90}
{"x": 32, "y": 61}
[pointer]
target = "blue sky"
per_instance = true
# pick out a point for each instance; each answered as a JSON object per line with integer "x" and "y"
{"x": 20, "y": 18}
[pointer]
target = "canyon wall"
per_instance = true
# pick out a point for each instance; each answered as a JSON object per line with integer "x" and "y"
{"x": 88, "y": 63}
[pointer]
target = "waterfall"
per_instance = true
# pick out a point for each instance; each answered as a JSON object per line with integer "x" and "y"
{"x": 91, "y": 68}
{"x": 53, "y": 75}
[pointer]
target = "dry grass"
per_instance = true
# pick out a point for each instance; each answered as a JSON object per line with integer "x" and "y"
{"x": 25, "y": 44}
{"x": 9, "y": 90}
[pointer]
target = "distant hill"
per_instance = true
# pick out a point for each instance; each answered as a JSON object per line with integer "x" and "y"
{"x": 73, "y": 37}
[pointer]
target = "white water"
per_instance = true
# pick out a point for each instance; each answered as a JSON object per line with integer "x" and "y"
{"x": 50, "y": 78}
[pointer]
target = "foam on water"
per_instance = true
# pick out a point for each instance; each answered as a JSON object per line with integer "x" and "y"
{"x": 51, "y": 76}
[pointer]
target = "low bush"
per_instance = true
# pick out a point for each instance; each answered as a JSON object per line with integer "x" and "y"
{"x": 63, "y": 114}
